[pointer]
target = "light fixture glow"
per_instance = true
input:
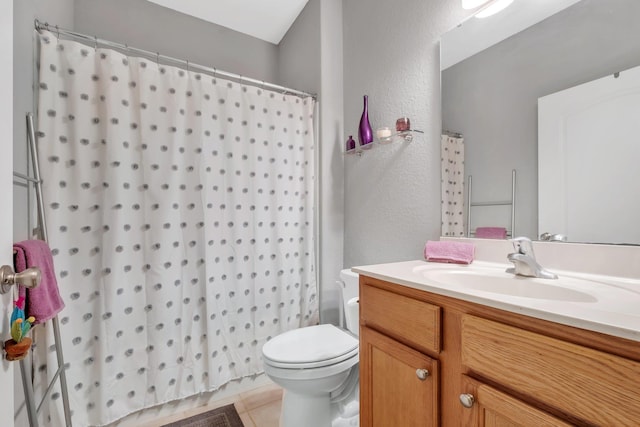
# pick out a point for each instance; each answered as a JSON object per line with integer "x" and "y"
{"x": 472, "y": 4}
{"x": 493, "y": 8}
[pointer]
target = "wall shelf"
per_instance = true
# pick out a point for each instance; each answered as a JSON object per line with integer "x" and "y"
{"x": 398, "y": 137}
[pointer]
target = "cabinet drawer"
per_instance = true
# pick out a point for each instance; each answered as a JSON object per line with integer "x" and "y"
{"x": 595, "y": 387}
{"x": 408, "y": 320}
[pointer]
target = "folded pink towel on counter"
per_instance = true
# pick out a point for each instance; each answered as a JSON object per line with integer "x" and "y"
{"x": 491, "y": 233}
{"x": 43, "y": 302}
{"x": 449, "y": 252}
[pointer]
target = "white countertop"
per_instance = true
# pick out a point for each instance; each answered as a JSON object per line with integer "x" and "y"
{"x": 610, "y": 305}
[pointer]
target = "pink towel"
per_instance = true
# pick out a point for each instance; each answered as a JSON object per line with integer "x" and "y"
{"x": 43, "y": 302}
{"x": 491, "y": 233}
{"x": 449, "y": 252}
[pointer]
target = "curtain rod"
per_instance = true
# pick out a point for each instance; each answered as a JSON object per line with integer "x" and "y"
{"x": 95, "y": 41}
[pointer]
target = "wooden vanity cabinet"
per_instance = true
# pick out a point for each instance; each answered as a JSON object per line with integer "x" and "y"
{"x": 487, "y": 367}
{"x": 399, "y": 378}
{"x": 400, "y": 387}
{"x": 592, "y": 386}
{"x": 489, "y": 407}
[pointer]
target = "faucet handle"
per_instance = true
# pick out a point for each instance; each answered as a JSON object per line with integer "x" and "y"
{"x": 523, "y": 245}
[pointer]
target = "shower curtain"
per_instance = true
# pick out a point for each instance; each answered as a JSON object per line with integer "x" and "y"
{"x": 452, "y": 185}
{"x": 180, "y": 209}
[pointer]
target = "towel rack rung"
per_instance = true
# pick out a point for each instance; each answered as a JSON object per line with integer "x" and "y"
{"x": 502, "y": 203}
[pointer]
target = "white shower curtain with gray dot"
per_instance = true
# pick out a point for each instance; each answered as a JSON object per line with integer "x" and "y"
{"x": 180, "y": 209}
{"x": 452, "y": 185}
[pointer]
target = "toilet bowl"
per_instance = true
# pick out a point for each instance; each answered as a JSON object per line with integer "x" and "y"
{"x": 317, "y": 366}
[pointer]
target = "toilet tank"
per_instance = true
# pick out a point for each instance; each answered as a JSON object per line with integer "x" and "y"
{"x": 349, "y": 285}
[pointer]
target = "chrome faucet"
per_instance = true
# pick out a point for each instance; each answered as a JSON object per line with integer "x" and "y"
{"x": 549, "y": 237}
{"x": 524, "y": 260}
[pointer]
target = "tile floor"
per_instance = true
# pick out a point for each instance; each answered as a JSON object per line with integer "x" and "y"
{"x": 259, "y": 407}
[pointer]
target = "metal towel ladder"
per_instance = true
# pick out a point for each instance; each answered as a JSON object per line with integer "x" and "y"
{"x": 511, "y": 231}
{"x": 27, "y": 380}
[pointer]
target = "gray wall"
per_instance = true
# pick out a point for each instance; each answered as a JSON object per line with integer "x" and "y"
{"x": 492, "y": 97}
{"x": 392, "y": 192}
{"x": 155, "y": 28}
{"x": 299, "y": 51}
{"x": 310, "y": 58}
{"x": 331, "y": 202}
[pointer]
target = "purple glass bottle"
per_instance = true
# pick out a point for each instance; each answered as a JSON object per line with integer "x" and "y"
{"x": 365, "y": 133}
{"x": 351, "y": 143}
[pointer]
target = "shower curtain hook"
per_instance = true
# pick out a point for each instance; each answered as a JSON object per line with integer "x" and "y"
{"x": 187, "y": 66}
{"x": 58, "y": 31}
{"x": 158, "y": 58}
{"x": 95, "y": 42}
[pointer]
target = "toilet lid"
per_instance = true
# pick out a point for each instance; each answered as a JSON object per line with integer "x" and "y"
{"x": 311, "y": 344}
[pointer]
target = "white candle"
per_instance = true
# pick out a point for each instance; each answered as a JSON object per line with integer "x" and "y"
{"x": 383, "y": 133}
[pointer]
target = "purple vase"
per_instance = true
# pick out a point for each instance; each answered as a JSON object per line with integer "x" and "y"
{"x": 365, "y": 133}
{"x": 351, "y": 143}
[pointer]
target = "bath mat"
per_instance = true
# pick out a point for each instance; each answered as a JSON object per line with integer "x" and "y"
{"x": 226, "y": 416}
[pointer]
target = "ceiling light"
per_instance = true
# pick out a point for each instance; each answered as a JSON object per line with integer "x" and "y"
{"x": 472, "y": 4}
{"x": 493, "y": 8}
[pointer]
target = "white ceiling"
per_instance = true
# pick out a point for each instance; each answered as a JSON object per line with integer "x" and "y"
{"x": 268, "y": 20}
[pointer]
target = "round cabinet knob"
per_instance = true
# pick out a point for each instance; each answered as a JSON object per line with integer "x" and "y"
{"x": 422, "y": 374}
{"x": 467, "y": 400}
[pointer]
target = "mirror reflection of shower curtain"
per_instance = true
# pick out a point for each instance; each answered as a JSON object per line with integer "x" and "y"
{"x": 452, "y": 185}
{"x": 181, "y": 216}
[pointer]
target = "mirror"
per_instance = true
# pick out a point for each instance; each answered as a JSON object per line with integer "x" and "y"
{"x": 490, "y": 93}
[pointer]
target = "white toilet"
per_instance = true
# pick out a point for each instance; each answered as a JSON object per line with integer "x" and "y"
{"x": 317, "y": 367}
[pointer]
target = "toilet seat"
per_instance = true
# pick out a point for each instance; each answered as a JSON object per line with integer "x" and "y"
{"x": 310, "y": 347}
{"x": 318, "y": 368}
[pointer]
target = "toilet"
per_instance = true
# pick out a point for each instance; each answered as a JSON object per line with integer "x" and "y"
{"x": 317, "y": 366}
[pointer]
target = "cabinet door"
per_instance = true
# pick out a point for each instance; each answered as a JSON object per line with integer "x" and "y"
{"x": 398, "y": 385}
{"x": 492, "y": 408}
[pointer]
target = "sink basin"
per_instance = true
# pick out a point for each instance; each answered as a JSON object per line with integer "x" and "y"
{"x": 496, "y": 281}
{"x": 608, "y": 304}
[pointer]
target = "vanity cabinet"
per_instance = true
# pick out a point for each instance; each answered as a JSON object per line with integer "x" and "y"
{"x": 399, "y": 378}
{"x": 399, "y": 385}
{"x": 588, "y": 384}
{"x": 487, "y": 367}
{"x": 490, "y": 407}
